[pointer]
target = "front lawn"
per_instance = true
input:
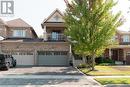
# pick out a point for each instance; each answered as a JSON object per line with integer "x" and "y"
{"x": 105, "y": 81}
{"x": 108, "y": 71}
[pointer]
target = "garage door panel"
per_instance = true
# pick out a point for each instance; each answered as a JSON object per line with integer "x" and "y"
{"x": 58, "y": 60}
{"x": 24, "y": 59}
{"x": 52, "y": 60}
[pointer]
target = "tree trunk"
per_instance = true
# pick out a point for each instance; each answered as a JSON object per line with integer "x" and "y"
{"x": 93, "y": 62}
{"x": 84, "y": 59}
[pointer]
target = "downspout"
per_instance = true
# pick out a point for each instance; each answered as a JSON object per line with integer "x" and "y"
{"x": 71, "y": 58}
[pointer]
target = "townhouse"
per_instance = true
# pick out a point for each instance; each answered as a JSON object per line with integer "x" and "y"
{"x": 21, "y": 41}
{"x": 120, "y": 52}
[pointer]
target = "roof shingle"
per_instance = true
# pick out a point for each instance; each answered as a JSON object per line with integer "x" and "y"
{"x": 17, "y": 23}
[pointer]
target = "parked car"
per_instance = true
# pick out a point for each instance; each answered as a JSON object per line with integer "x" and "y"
{"x": 7, "y": 61}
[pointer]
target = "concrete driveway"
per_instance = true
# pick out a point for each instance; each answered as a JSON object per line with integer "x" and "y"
{"x": 41, "y": 71}
{"x": 47, "y": 81}
{"x": 45, "y": 77}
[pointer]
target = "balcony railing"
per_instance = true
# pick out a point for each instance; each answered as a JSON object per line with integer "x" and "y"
{"x": 124, "y": 43}
{"x": 55, "y": 37}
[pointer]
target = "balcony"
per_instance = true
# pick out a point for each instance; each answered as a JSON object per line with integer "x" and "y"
{"x": 55, "y": 38}
{"x": 124, "y": 43}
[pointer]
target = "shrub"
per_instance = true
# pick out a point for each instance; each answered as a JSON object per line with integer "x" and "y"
{"x": 104, "y": 61}
{"x": 106, "y": 64}
{"x": 82, "y": 66}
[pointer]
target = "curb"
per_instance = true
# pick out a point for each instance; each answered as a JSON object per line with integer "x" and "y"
{"x": 92, "y": 78}
{"x": 117, "y": 85}
{"x": 80, "y": 71}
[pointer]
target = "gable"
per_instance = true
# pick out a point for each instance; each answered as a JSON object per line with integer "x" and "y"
{"x": 56, "y": 16}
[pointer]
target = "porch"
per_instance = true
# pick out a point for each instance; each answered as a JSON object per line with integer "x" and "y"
{"x": 119, "y": 55}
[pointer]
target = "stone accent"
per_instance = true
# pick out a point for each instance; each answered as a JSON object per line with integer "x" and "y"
{"x": 39, "y": 46}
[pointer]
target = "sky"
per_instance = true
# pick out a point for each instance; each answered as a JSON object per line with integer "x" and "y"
{"x": 35, "y": 11}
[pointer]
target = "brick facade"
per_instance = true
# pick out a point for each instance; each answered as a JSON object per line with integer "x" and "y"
{"x": 38, "y": 46}
{"x": 3, "y": 31}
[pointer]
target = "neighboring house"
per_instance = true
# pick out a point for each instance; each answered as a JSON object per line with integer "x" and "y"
{"x": 18, "y": 41}
{"x": 120, "y": 52}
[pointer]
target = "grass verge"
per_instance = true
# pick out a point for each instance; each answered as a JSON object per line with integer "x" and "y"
{"x": 105, "y": 81}
{"x": 108, "y": 71}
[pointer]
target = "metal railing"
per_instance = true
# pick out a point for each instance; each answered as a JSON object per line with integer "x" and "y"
{"x": 55, "y": 37}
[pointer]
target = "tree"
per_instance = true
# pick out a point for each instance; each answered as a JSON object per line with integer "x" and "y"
{"x": 92, "y": 25}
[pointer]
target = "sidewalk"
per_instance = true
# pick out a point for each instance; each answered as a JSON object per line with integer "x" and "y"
{"x": 60, "y": 76}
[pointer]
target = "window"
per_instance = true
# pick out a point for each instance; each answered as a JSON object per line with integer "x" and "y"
{"x": 126, "y": 38}
{"x": 19, "y": 33}
{"x": 55, "y": 36}
{"x": 49, "y": 53}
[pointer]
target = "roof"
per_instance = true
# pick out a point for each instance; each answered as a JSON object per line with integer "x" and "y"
{"x": 55, "y": 11}
{"x": 2, "y": 22}
{"x": 17, "y": 23}
{"x": 123, "y": 32}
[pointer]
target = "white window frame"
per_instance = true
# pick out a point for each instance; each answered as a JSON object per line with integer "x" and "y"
{"x": 19, "y": 33}
{"x": 126, "y": 38}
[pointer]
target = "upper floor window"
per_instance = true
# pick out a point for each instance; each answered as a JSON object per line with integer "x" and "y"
{"x": 54, "y": 36}
{"x": 126, "y": 38}
{"x": 19, "y": 33}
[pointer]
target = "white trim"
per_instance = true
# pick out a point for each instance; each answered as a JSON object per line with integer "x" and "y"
{"x": 57, "y": 10}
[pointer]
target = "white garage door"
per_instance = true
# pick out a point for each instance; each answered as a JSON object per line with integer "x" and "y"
{"x": 24, "y": 58}
{"x": 56, "y": 58}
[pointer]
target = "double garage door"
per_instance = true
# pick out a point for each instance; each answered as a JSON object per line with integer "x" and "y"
{"x": 53, "y": 58}
{"x": 45, "y": 58}
{"x": 24, "y": 58}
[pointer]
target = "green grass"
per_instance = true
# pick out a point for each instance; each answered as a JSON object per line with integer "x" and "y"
{"x": 105, "y": 81}
{"x": 108, "y": 71}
